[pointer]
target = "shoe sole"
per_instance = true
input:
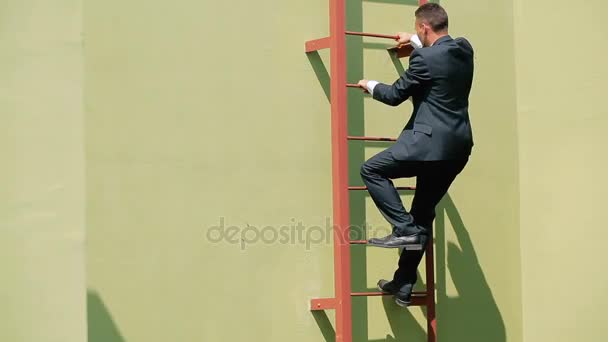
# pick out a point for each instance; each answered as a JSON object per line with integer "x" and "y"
{"x": 398, "y": 301}
{"x": 402, "y": 303}
{"x": 407, "y": 247}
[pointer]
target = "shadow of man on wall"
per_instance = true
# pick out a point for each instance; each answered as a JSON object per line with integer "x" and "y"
{"x": 472, "y": 315}
{"x": 101, "y": 326}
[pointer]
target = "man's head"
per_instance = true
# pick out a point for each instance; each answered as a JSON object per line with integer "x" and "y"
{"x": 431, "y": 23}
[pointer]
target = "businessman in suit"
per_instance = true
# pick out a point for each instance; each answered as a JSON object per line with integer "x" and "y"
{"x": 434, "y": 146}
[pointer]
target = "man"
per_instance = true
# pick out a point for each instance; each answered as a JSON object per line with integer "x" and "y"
{"x": 433, "y": 147}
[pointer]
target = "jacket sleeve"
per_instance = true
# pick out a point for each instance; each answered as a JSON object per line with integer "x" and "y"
{"x": 414, "y": 78}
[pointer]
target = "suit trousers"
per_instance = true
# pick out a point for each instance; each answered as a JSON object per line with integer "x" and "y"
{"x": 433, "y": 178}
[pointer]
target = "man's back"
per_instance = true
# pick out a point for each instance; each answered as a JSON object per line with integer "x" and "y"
{"x": 439, "y": 81}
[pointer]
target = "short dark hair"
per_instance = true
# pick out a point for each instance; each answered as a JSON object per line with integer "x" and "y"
{"x": 434, "y": 15}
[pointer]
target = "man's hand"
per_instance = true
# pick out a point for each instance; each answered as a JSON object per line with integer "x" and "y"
{"x": 404, "y": 37}
{"x": 363, "y": 84}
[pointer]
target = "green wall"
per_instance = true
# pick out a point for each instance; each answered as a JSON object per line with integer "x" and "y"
{"x": 42, "y": 193}
{"x": 482, "y": 253}
{"x": 182, "y": 132}
{"x": 198, "y": 115}
{"x": 562, "y": 120}
{"x": 203, "y": 112}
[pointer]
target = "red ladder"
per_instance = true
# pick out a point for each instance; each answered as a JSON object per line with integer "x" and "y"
{"x": 336, "y": 42}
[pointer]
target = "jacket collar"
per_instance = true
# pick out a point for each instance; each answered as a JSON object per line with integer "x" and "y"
{"x": 442, "y": 39}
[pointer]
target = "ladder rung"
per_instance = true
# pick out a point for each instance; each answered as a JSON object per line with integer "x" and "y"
{"x": 350, "y": 137}
{"x": 413, "y": 247}
{"x": 376, "y": 35}
{"x": 378, "y": 293}
{"x": 417, "y": 299}
{"x": 404, "y": 50}
{"x": 397, "y": 187}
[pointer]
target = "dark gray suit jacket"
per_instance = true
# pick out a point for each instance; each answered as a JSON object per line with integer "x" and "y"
{"x": 438, "y": 80}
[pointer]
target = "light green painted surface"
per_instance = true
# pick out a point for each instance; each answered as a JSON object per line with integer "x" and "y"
{"x": 180, "y": 133}
{"x": 487, "y": 305}
{"x": 42, "y": 288}
{"x": 191, "y": 110}
{"x": 203, "y": 111}
{"x": 562, "y": 123}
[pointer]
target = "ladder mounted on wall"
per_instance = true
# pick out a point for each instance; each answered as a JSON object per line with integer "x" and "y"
{"x": 342, "y": 300}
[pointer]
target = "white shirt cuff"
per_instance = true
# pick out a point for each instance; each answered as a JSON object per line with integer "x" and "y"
{"x": 370, "y": 86}
{"x": 415, "y": 42}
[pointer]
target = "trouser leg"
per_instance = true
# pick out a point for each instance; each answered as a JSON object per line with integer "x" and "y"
{"x": 376, "y": 174}
{"x": 431, "y": 185}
